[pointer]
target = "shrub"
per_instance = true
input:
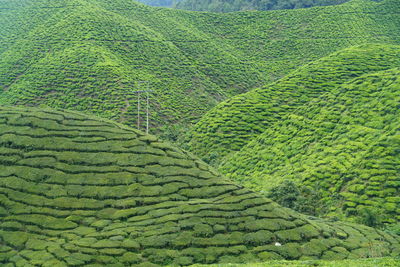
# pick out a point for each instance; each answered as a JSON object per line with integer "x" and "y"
{"x": 300, "y": 198}
{"x": 369, "y": 216}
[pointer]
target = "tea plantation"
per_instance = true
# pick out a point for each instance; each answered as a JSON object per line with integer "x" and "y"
{"x": 234, "y": 123}
{"x": 80, "y": 191}
{"x": 88, "y": 55}
{"x": 345, "y": 144}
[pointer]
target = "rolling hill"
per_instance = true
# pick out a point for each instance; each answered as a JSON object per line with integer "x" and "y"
{"x": 234, "y": 123}
{"x": 89, "y": 55}
{"x": 344, "y": 143}
{"x": 77, "y": 190}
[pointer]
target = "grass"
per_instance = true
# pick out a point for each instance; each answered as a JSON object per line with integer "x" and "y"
{"x": 77, "y": 190}
{"x": 88, "y": 55}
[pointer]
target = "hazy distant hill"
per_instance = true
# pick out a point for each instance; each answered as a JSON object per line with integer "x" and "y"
{"x": 89, "y": 54}
{"x": 160, "y": 3}
{"x": 240, "y": 5}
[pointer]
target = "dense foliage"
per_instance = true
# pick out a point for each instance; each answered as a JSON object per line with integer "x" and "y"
{"x": 239, "y": 5}
{"x": 346, "y": 143}
{"x": 297, "y": 197}
{"x": 234, "y": 123}
{"x": 330, "y": 126}
{"x": 76, "y": 190}
{"x": 89, "y": 54}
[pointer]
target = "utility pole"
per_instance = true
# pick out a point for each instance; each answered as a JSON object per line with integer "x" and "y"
{"x": 138, "y": 110}
{"x": 147, "y": 108}
{"x": 147, "y": 91}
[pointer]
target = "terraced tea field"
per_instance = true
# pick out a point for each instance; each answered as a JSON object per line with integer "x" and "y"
{"x": 236, "y": 122}
{"x": 88, "y": 55}
{"x": 76, "y": 190}
{"x": 345, "y": 144}
{"x": 331, "y": 126}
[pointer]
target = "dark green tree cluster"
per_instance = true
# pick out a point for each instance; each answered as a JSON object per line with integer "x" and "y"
{"x": 297, "y": 197}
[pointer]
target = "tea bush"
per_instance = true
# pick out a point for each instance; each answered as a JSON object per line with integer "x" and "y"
{"x": 68, "y": 202}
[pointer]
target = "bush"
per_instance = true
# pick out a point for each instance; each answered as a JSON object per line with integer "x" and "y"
{"x": 300, "y": 198}
{"x": 369, "y": 216}
{"x": 393, "y": 228}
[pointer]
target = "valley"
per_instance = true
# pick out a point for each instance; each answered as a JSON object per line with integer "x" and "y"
{"x": 274, "y": 136}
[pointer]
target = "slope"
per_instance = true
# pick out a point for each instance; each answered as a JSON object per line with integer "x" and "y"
{"x": 344, "y": 144}
{"x": 76, "y": 190}
{"x": 89, "y": 54}
{"x": 234, "y": 123}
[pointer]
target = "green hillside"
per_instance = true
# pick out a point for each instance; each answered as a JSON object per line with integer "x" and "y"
{"x": 345, "y": 144}
{"x": 80, "y": 191}
{"x": 88, "y": 55}
{"x": 240, "y": 5}
{"x": 234, "y": 123}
